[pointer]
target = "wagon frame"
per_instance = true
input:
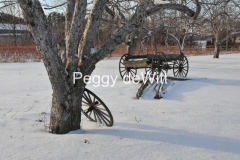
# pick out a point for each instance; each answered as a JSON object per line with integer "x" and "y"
{"x": 129, "y": 64}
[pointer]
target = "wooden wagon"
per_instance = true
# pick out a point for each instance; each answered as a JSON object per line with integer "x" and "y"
{"x": 155, "y": 63}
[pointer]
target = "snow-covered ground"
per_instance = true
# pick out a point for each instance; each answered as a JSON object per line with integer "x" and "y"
{"x": 196, "y": 119}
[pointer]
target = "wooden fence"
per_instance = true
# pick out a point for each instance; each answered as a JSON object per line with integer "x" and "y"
{"x": 10, "y": 50}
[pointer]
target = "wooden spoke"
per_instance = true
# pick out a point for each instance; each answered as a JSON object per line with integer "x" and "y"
{"x": 98, "y": 118}
{"x": 180, "y": 67}
{"x": 126, "y": 71}
{"x": 95, "y": 109}
{"x": 102, "y": 117}
{"x": 103, "y": 109}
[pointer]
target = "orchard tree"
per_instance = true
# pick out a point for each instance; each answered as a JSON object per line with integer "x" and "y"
{"x": 10, "y": 15}
{"x": 221, "y": 16}
{"x": 77, "y": 55}
{"x": 56, "y": 23}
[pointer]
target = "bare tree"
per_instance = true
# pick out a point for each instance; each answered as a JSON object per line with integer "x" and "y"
{"x": 12, "y": 12}
{"x": 220, "y": 16}
{"x": 56, "y": 23}
{"x": 66, "y": 97}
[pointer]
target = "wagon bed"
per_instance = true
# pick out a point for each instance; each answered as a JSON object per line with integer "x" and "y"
{"x": 129, "y": 64}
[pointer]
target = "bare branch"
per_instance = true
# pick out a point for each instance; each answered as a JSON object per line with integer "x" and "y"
{"x": 91, "y": 28}
{"x": 8, "y": 1}
{"x": 56, "y": 6}
{"x": 198, "y": 9}
{"x": 109, "y": 11}
{"x": 69, "y": 15}
{"x": 120, "y": 13}
{"x": 7, "y": 5}
{"x": 229, "y": 36}
{"x": 73, "y": 38}
{"x": 171, "y": 6}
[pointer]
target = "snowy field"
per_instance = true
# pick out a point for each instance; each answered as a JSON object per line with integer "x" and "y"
{"x": 196, "y": 119}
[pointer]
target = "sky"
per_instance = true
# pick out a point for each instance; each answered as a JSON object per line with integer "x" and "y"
{"x": 48, "y": 2}
{"x": 52, "y": 3}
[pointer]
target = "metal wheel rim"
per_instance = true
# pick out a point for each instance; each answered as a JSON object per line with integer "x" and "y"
{"x": 126, "y": 71}
{"x": 180, "y": 67}
{"x": 95, "y": 109}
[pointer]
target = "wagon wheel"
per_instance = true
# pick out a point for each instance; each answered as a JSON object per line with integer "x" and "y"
{"x": 95, "y": 109}
{"x": 165, "y": 68}
{"x": 180, "y": 67}
{"x": 162, "y": 61}
{"x": 126, "y": 71}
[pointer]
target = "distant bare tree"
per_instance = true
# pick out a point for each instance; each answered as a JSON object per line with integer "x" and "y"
{"x": 11, "y": 23}
{"x": 56, "y": 22}
{"x": 220, "y": 16}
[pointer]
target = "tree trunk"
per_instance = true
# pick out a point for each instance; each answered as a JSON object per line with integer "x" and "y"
{"x": 66, "y": 97}
{"x": 132, "y": 45}
{"x": 66, "y": 112}
{"x": 217, "y": 45}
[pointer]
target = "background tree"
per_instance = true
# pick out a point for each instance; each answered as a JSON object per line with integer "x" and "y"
{"x": 220, "y": 17}
{"x": 56, "y": 23}
{"x": 66, "y": 97}
{"x": 10, "y": 19}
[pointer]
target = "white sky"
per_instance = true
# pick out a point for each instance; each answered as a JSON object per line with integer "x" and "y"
{"x": 52, "y": 3}
{"x": 48, "y": 2}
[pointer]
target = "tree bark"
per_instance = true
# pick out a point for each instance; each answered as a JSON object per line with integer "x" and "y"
{"x": 73, "y": 35}
{"x": 173, "y": 6}
{"x": 66, "y": 100}
{"x": 217, "y": 45}
{"x": 62, "y": 51}
{"x": 91, "y": 29}
{"x": 65, "y": 113}
{"x": 132, "y": 45}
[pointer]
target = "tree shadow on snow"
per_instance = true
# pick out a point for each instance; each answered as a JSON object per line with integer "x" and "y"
{"x": 172, "y": 136}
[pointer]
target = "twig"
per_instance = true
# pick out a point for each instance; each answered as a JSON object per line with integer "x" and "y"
{"x": 14, "y": 114}
{"x": 31, "y": 107}
{"x": 52, "y": 7}
{"x": 7, "y": 5}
